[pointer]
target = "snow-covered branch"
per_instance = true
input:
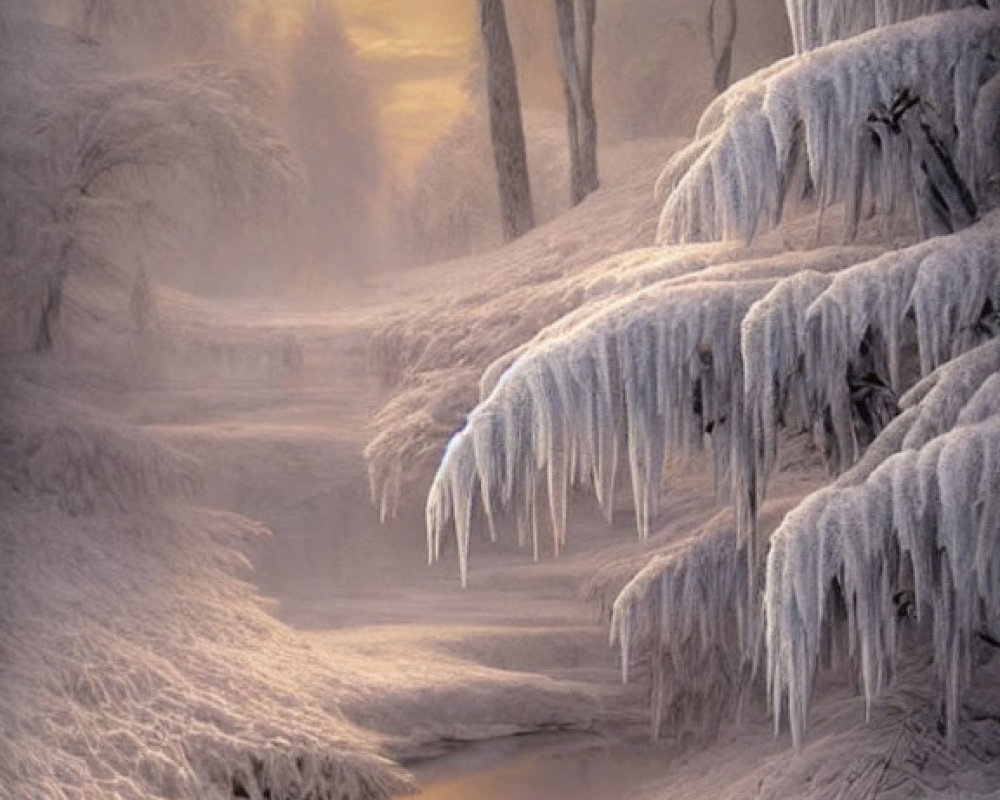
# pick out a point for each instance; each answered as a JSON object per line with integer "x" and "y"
{"x": 641, "y": 378}
{"x": 925, "y": 521}
{"x": 827, "y": 353}
{"x": 737, "y": 174}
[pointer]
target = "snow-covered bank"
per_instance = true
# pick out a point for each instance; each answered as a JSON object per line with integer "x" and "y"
{"x": 137, "y": 661}
{"x": 141, "y": 661}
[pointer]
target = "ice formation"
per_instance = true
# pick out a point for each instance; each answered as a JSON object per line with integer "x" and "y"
{"x": 436, "y": 360}
{"x": 880, "y": 357}
{"x": 685, "y": 613}
{"x": 736, "y": 174}
{"x": 652, "y": 375}
{"x": 925, "y": 517}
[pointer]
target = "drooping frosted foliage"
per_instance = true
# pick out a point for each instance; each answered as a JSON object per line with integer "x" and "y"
{"x": 924, "y": 521}
{"x": 685, "y": 614}
{"x": 652, "y": 375}
{"x": 435, "y": 359}
{"x": 683, "y": 623}
{"x": 987, "y": 136}
{"x": 961, "y": 392}
{"x": 828, "y": 353}
{"x": 884, "y": 526}
{"x": 885, "y": 360}
{"x": 899, "y": 511}
{"x": 818, "y": 22}
{"x": 845, "y": 111}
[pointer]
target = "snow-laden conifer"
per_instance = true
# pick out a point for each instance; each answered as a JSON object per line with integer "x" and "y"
{"x": 894, "y": 123}
{"x": 828, "y": 353}
{"x": 889, "y": 514}
{"x": 961, "y": 392}
{"x": 435, "y": 359}
{"x": 824, "y": 107}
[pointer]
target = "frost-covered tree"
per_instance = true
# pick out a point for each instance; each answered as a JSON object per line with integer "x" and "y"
{"x": 137, "y": 662}
{"x": 506, "y": 130}
{"x": 883, "y": 127}
{"x": 98, "y": 155}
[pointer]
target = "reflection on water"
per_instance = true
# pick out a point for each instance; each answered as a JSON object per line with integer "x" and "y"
{"x": 542, "y": 768}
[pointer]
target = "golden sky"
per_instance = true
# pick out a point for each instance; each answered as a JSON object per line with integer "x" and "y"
{"x": 419, "y": 53}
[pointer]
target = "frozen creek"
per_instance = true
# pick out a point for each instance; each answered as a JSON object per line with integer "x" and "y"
{"x": 541, "y": 767}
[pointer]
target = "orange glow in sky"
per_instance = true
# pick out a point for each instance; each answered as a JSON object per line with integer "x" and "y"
{"x": 419, "y": 54}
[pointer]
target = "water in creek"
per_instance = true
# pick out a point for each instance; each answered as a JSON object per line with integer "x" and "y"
{"x": 542, "y": 767}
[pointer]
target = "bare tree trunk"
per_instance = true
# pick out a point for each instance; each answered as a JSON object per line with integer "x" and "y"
{"x": 506, "y": 129}
{"x": 575, "y": 27}
{"x": 722, "y": 20}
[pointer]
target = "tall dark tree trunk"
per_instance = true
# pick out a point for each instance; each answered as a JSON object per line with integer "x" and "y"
{"x": 575, "y": 28}
{"x": 722, "y": 21}
{"x": 506, "y": 129}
